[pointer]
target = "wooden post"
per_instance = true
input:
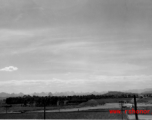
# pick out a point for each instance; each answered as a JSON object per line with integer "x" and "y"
{"x": 136, "y": 115}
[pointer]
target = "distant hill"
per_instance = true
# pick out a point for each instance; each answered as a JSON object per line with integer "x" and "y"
{"x": 40, "y": 94}
{"x": 5, "y": 95}
{"x": 114, "y": 93}
{"x": 1, "y": 98}
{"x": 71, "y": 93}
{"x": 117, "y": 93}
{"x": 147, "y": 90}
{"x": 68, "y": 93}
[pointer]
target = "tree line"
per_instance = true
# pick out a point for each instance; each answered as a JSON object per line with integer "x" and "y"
{"x": 54, "y": 100}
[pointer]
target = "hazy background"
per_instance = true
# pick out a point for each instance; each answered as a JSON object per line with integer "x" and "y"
{"x": 75, "y": 45}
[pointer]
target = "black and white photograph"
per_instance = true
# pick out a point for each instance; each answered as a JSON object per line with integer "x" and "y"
{"x": 76, "y": 59}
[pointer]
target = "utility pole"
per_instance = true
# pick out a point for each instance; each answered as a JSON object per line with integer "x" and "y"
{"x": 136, "y": 115}
{"x": 44, "y": 108}
{"x": 6, "y": 109}
{"x": 122, "y": 109}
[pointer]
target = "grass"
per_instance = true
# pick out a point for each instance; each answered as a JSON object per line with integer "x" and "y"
{"x": 100, "y": 101}
{"x": 96, "y": 114}
{"x": 18, "y": 109}
{"x": 143, "y": 108}
{"x": 144, "y": 100}
{"x": 64, "y": 115}
{"x": 112, "y": 100}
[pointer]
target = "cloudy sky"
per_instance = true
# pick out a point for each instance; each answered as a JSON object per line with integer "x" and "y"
{"x": 75, "y": 45}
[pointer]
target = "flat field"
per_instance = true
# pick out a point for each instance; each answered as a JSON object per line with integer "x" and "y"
{"x": 28, "y": 109}
{"x": 112, "y": 100}
{"x": 141, "y": 117}
{"x": 64, "y": 115}
{"x": 19, "y": 109}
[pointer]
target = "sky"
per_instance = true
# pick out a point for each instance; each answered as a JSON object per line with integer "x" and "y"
{"x": 75, "y": 45}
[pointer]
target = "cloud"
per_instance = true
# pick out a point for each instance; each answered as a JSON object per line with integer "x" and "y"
{"x": 9, "y": 69}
